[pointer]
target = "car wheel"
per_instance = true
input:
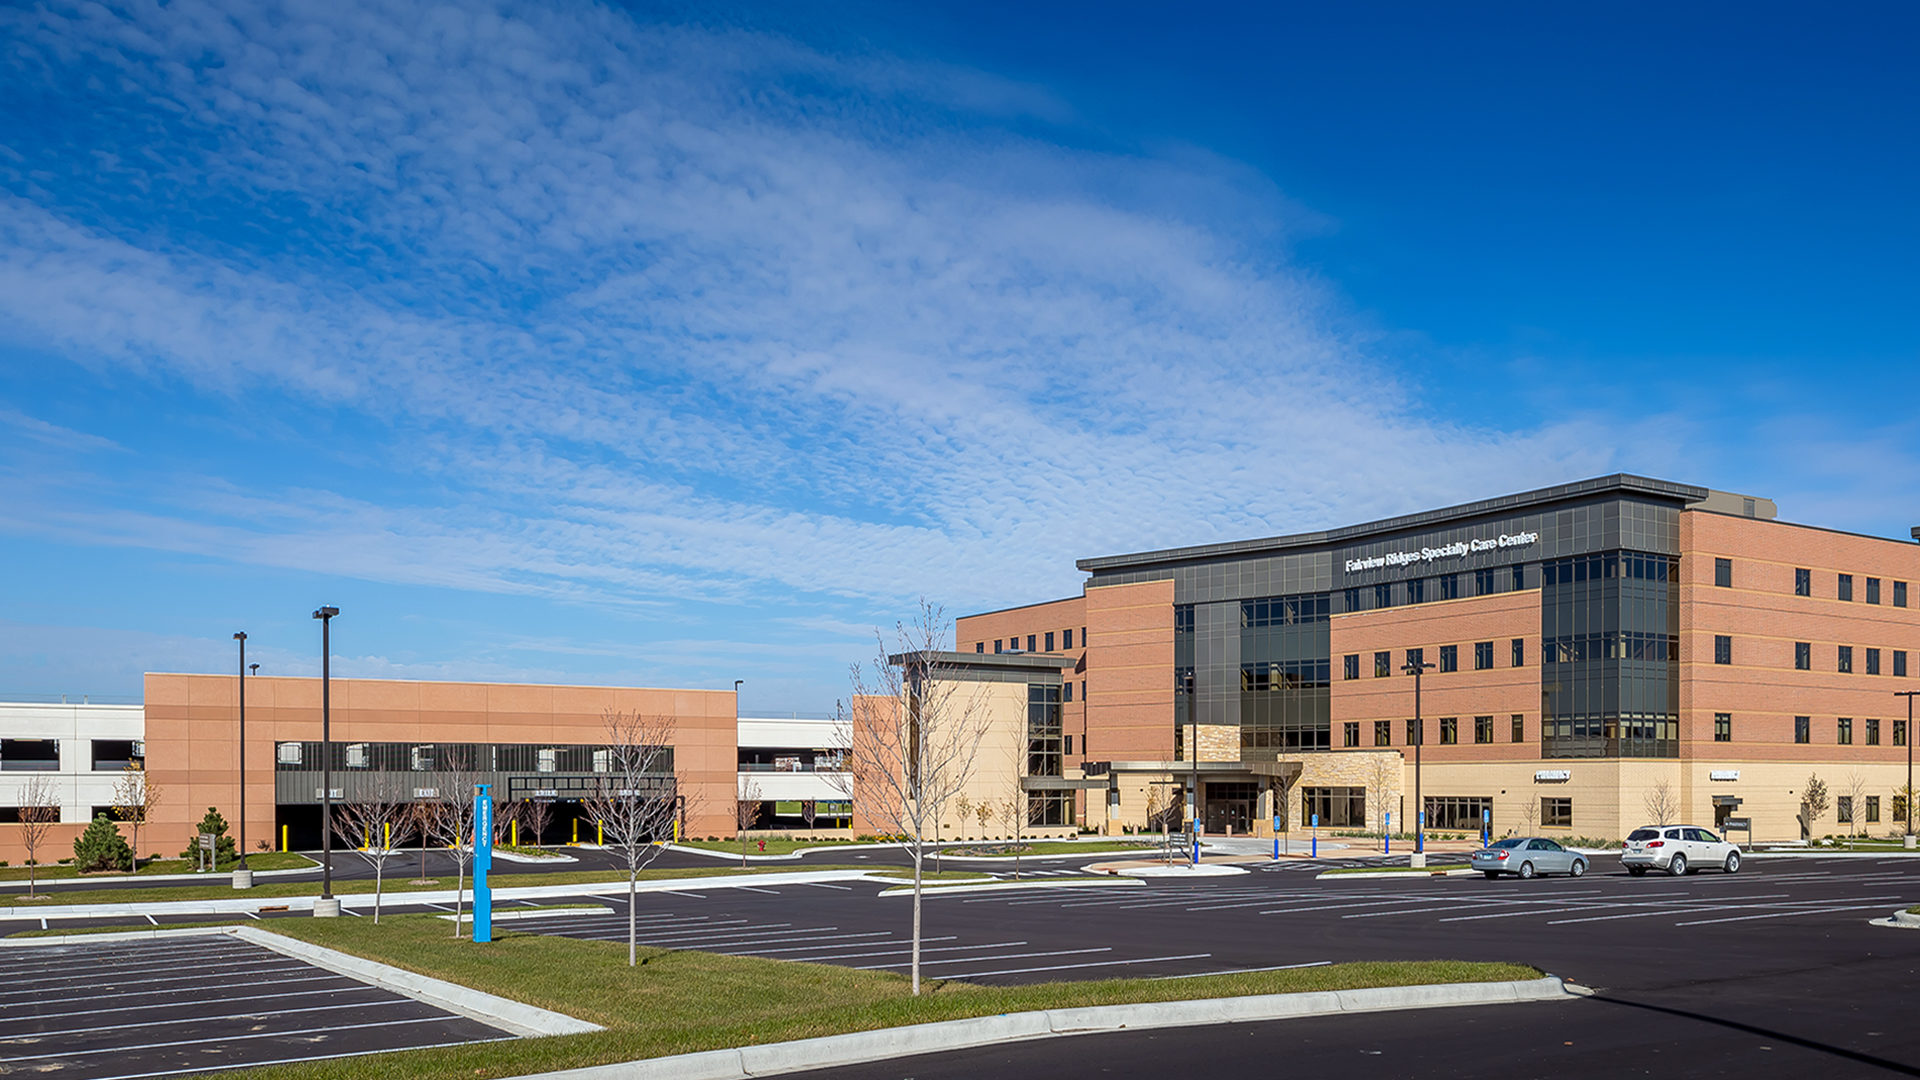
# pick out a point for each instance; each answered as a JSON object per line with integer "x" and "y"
{"x": 1637, "y": 871}
{"x": 1492, "y": 875}
{"x": 1732, "y": 865}
{"x": 1526, "y": 870}
{"x": 1678, "y": 866}
{"x": 1579, "y": 867}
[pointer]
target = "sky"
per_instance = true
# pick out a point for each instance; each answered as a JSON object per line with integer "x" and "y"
{"x": 671, "y": 345}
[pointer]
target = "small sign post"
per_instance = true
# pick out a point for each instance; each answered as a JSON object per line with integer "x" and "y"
{"x": 1386, "y": 830}
{"x": 1486, "y": 827}
{"x": 482, "y": 862}
{"x": 1276, "y": 836}
{"x": 1314, "y": 853}
{"x": 204, "y": 853}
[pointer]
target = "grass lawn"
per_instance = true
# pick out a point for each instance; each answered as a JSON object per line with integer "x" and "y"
{"x": 266, "y": 860}
{"x": 1395, "y": 869}
{"x": 677, "y": 1002}
{"x": 399, "y": 882}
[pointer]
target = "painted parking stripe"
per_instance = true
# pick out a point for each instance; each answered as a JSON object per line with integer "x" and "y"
{"x": 757, "y": 951}
{"x": 202, "y": 1042}
{"x": 1243, "y": 971}
{"x": 1066, "y": 967}
{"x": 909, "y": 952}
{"x": 251, "y": 1014}
{"x": 666, "y": 939}
{"x": 202, "y": 1068}
{"x": 118, "y": 982}
{"x": 96, "y": 966}
{"x": 694, "y": 896}
{"x": 1339, "y": 907}
{"x": 1783, "y": 914}
{"x": 715, "y": 946}
{"x": 201, "y": 1003}
{"x": 975, "y": 959}
{"x": 1669, "y": 910}
{"x": 825, "y": 885}
{"x": 324, "y": 976}
{"x": 749, "y": 888}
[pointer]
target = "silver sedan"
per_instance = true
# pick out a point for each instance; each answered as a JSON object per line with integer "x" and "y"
{"x": 1527, "y": 856}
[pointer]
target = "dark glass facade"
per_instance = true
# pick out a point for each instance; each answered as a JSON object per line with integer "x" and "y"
{"x": 1609, "y": 658}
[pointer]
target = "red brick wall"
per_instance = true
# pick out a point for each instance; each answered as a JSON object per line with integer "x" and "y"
{"x": 1130, "y": 666}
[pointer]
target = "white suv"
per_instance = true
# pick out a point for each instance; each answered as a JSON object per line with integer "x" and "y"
{"x": 1677, "y": 849}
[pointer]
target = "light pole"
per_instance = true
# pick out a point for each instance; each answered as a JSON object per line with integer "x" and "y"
{"x": 326, "y": 906}
{"x": 1416, "y": 668}
{"x": 1909, "y": 695}
{"x": 243, "y": 877}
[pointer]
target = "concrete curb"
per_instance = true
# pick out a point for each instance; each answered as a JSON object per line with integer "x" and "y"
{"x": 864, "y": 1046}
{"x": 514, "y": 915}
{"x": 202, "y": 879}
{"x": 541, "y": 860}
{"x": 1901, "y": 919}
{"x": 1008, "y": 886}
{"x": 513, "y": 1017}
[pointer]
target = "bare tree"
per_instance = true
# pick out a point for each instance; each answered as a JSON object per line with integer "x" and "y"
{"x": 135, "y": 799}
{"x": 634, "y": 802}
{"x": 746, "y": 811}
{"x": 39, "y": 813}
{"x": 1530, "y": 812}
{"x": 1661, "y": 804}
{"x": 809, "y": 811}
{"x": 964, "y": 806}
{"x": 1383, "y": 782}
{"x": 374, "y": 829}
{"x": 452, "y": 819}
{"x": 1013, "y": 815}
{"x": 1856, "y": 799}
{"x": 913, "y": 726}
{"x": 1813, "y": 804}
{"x": 535, "y": 816}
{"x": 983, "y": 812}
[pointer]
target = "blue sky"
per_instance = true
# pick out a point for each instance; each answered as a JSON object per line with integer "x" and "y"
{"x": 675, "y": 345}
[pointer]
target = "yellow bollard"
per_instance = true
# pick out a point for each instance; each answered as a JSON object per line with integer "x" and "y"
{"x": 386, "y": 839}
{"x": 576, "y": 830}
{"x": 515, "y": 830}
{"x": 283, "y": 839}
{"x": 599, "y": 834}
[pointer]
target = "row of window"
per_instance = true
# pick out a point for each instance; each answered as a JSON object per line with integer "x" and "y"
{"x": 1483, "y": 731}
{"x": 1449, "y": 659}
{"x": 1843, "y": 731}
{"x": 1803, "y": 584}
{"x": 43, "y": 755}
{"x": 1445, "y": 587}
{"x": 1035, "y": 642}
{"x": 449, "y": 757}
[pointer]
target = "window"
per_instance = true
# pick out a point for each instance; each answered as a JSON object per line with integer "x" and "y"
{"x": 1449, "y": 730}
{"x": 1417, "y": 591}
{"x": 1873, "y": 732}
{"x": 1416, "y": 657}
{"x": 1067, "y": 689}
{"x": 1803, "y": 583}
{"x": 1873, "y": 590}
{"x": 1450, "y": 587}
{"x": 1556, "y": 812}
{"x": 996, "y": 645}
{"x": 1846, "y": 587}
{"x": 1066, "y": 639}
{"x": 1843, "y": 809}
{"x": 1722, "y": 649}
{"x": 1873, "y": 661}
{"x": 1723, "y": 573}
{"x": 1413, "y": 732}
{"x": 288, "y": 753}
{"x": 979, "y": 646}
{"x": 1519, "y": 578}
{"x": 420, "y": 758}
{"x": 30, "y": 755}
{"x": 1483, "y": 729}
{"x": 1846, "y": 660}
{"x": 1803, "y": 655}
{"x": 1899, "y": 733}
{"x": 1382, "y": 596}
{"x": 1483, "y": 582}
{"x": 1337, "y": 807}
{"x": 357, "y": 756}
{"x": 1449, "y": 658}
{"x": 547, "y": 760}
{"x": 1899, "y": 594}
{"x": 1351, "y": 669}
{"x": 115, "y": 755}
{"x": 1843, "y": 729}
{"x": 1803, "y": 729}
{"x": 1069, "y": 746}
{"x": 1458, "y": 812}
{"x": 1083, "y": 632}
{"x": 1382, "y": 665}
{"x": 1519, "y": 728}
{"x": 1383, "y": 733}
{"x": 1049, "y": 641}
{"x": 1899, "y": 663}
{"x": 1722, "y": 727}
{"x": 1482, "y": 655}
{"x": 1519, "y": 652}
{"x": 1873, "y": 809}
{"x": 1030, "y": 647}
{"x": 1350, "y": 733}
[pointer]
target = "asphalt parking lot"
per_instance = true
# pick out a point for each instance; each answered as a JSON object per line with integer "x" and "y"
{"x": 125, "y": 1009}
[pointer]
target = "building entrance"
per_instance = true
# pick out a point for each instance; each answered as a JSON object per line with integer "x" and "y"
{"x": 1231, "y": 806}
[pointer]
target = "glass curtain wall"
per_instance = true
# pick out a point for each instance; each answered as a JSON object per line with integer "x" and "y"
{"x": 1285, "y": 662}
{"x": 1609, "y": 680}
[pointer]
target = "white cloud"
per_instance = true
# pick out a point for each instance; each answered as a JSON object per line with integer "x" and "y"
{"x": 689, "y": 313}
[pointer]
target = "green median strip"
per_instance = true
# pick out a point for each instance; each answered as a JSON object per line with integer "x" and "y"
{"x": 681, "y": 1002}
{"x": 269, "y": 860}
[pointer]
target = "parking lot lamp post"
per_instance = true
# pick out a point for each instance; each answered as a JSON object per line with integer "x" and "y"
{"x": 242, "y": 877}
{"x": 326, "y": 906}
{"x": 1416, "y": 668}
{"x": 1909, "y": 695}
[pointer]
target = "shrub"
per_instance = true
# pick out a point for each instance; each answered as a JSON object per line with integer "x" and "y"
{"x": 101, "y": 848}
{"x": 222, "y": 846}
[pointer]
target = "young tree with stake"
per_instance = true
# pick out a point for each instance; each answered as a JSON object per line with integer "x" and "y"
{"x": 634, "y": 802}
{"x": 39, "y": 813}
{"x": 452, "y": 819}
{"x": 1660, "y": 803}
{"x": 135, "y": 799}
{"x": 746, "y": 811}
{"x": 1813, "y": 804}
{"x": 535, "y": 816}
{"x": 374, "y": 829}
{"x": 913, "y": 725}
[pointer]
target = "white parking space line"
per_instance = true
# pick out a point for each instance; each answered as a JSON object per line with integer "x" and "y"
{"x": 200, "y": 1003}
{"x": 290, "y": 1061}
{"x": 327, "y": 976}
{"x": 1066, "y": 967}
{"x": 202, "y": 1042}
{"x": 693, "y": 896}
{"x": 118, "y": 982}
{"x": 715, "y": 946}
{"x": 669, "y": 940}
{"x": 749, "y": 888}
{"x": 821, "y": 949}
{"x": 973, "y": 959}
{"x": 1340, "y": 907}
{"x": 909, "y": 952}
{"x": 826, "y": 885}
{"x": 251, "y": 1014}
{"x": 96, "y": 967}
{"x": 1242, "y": 971}
{"x": 1783, "y": 914}
{"x": 1702, "y": 906}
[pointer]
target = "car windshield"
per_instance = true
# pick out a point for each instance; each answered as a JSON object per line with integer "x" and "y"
{"x": 1509, "y": 842}
{"x": 1644, "y": 834}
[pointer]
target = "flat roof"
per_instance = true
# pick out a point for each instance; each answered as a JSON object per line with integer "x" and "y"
{"x": 1618, "y": 483}
{"x": 1023, "y": 661}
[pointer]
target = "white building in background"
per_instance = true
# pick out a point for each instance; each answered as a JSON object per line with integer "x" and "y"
{"x": 83, "y": 749}
{"x": 788, "y": 763}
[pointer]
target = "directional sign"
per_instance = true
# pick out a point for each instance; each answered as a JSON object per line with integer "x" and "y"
{"x": 482, "y": 862}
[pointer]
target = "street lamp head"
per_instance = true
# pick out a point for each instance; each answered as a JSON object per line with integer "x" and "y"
{"x": 326, "y": 613}
{"x": 241, "y": 636}
{"x": 255, "y": 668}
{"x": 1415, "y": 667}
